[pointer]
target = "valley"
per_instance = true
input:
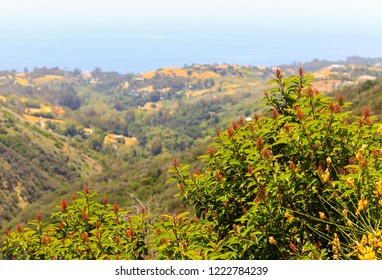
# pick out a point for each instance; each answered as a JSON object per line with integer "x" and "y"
{"x": 61, "y": 130}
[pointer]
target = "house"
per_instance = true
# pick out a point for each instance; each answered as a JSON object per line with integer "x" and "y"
{"x": 115, "y": 140}
{"x": 87, "y": 75}
{"x": 21, "y": 75}
{"x": 348, "y": 84}
{"x": 88, "y": 131}
{"x": 337, "y": 67}
{"x": 319, "y": 76}
{"x": 365, "y": 78}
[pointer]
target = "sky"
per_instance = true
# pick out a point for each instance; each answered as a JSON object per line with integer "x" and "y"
{"x": 32, "y": 28}
{"x": 89, "y": 12}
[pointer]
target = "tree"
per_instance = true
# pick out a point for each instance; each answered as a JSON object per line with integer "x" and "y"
{"x": 96, "y": 73}
{"x": 70, "y": 98}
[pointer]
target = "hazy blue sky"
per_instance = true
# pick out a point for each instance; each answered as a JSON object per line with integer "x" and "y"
{"x": 44, "y": 32}
{"x": 342, "y": 13}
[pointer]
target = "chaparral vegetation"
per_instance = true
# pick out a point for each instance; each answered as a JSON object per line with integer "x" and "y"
{"x": 303, "y": 181}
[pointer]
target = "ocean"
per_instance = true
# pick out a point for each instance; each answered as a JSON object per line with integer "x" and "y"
{"x": 135, "y": 50}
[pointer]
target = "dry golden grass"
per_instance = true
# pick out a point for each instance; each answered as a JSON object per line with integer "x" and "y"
{"x": 254, "y": 84}
{"x": 34, "y": 119}
{"x": 32, "y": 111}
{"x": 22, "y": 82}
{"x": 231, "y": 86}
{"x": 326, "y": 85}
{"x": 229, "y": 92}
{"x": 149, "y": 75}
{"x": 22, "y": 202}
{"x": 148, "y": 89}
{"x": 205, "y": 75}
{"x": 3, "y": 98}
{"x": 173, "y": 71}
{"x": 58, "y": 111}
{"x": 149, "y": 106}
{"x": 197, "y": 92}
{"x": 47, "y": 78}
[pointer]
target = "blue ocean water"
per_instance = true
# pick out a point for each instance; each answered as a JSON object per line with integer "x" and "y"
{"x": 138, "y": 50}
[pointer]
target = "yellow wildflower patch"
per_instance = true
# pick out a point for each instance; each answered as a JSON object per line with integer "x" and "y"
{"x": 272, "y": 240}
{"x": 367, "y": 254}
{"x": 322, "y": 215}
{"x": 378, "y": 191}
{"x": 289, "y": 217}
{"x": 328, "y": 161}
{"x": 362, "y": 204}
{"x": 326, "y": 176}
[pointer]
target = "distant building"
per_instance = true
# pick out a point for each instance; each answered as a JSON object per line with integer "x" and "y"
{"x": 88, "y": 131}
{"x": 221, "y": 66}
{"x": 87, "y": 75}
{"x": 365, "y": 78}
{"x": 337, "y": 67}
{"x": 348, "y": 84}
{"x": 21, "y": 75}
{"x": 114, "y": 139}
{"x": 319, "y": 77}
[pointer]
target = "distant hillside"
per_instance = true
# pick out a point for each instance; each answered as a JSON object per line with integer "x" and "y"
{"x": 368, "y": 93}
{"x": 34, "y": 162}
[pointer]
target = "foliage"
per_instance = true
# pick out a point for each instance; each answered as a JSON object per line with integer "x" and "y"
{"x": 362, "y": 94}
{"x": 281, "y": 184}
{"x": 303, "y": 182}
{"x": 84, "y": 230}
{"x": 34, "y": 162}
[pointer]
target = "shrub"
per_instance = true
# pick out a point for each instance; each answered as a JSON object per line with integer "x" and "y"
{"x": 301, "y": 183}
{"x": 85, "y": 229}
{"x": 278, "y": 187}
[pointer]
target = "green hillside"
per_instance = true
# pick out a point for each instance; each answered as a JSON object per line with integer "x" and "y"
{"x": 368, "y": 93}
{"x": 33, "y": 163}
